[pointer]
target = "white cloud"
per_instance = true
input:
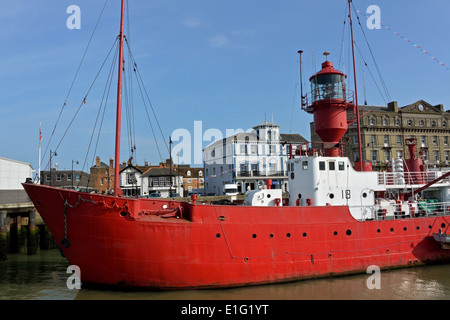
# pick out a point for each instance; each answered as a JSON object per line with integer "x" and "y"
{"x": 219, "y": 40}
{"x": 192, "y": 22}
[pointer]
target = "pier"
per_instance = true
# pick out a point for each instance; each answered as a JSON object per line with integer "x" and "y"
{"x": 21, "y": 227}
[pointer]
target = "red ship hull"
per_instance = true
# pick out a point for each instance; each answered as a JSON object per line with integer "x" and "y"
{"x": 141, "y": 242}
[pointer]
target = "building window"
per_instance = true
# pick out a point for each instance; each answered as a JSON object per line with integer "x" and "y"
{"x": 101, "y": 181}
{"x": 399, "y": 139}
{"x": 387, "y": 155}
{"x": 272, "y": 149}
{"x": 371, "y": 121}
{"x": 254, "y": 149}
{"x": 423, "y": 140}
{"x": 374, "y": 155}
{"x": 386, "y": 140}
{"x": 410, "y": 122}
{"x": 373, "y": 139}
{"x": 47, "y": 177}
{"x": 436, "y": 155}
{"x": 446, "y": 140}
{"x": 243, "y": 149}
{"x": 421, "y": 123}
{"x": 69, "y": 177}
{"x": 444, "y": 124}
{"x": 385, "y": 121}
{"x": 447, "y": 156}
{"x": 200, "y": 173}
{"x": 433, "y": 123}
{"x": 435, "y": 140}
{"x": 131, "y": 178}
{"x": 77, "y": 177}
{"x": 58, "y": 177}
{"x": 397, "y": 121}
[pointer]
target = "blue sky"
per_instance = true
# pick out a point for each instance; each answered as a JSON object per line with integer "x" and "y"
{"x": 229, "y": 64}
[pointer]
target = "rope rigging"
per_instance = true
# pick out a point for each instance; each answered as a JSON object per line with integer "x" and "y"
{"x": 129, "y": 101}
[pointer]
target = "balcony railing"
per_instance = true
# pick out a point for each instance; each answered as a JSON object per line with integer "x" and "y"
{"x": 255, "y": 173}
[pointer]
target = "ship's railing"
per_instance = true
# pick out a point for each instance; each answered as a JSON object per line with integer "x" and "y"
{"x": 402, "y": 178}
{"x": 419, "y": 209}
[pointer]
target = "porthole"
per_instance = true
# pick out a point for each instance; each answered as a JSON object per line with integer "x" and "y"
{"x": 269, "y": 195}
{"x": 254, "y": 236}
{"x": 288, "y": 235}
{"x": 331, "y": 195}
{"x": 405, "y": 228}
{"x": 218, "y": 235}
{"x": 378, "y": 230}
{"x": 335, "y": 233}
{"x": 392, "y": 229}
{"x": 364, "y": 195}
{"x": 123, "y": 214}
{"x": 348, "y": 232}
{"x": 442, "y": 225}
{"x": 271, "y": 236}
{"x": 429, "y": 226}
{"x": 304, "y": 234}
{"x": 417, "y": 228}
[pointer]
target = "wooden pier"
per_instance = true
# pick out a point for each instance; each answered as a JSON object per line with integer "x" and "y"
{"x": 21, "y": 227}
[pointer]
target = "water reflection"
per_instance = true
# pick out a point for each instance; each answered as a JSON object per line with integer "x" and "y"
{"x": 44, "y": 277}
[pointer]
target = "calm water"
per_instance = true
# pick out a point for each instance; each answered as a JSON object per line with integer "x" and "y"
{"x": 44, "y": 277}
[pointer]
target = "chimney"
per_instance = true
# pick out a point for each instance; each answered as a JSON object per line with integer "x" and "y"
{"x": 97, "y": 161}
{"x": 111, "y": 163}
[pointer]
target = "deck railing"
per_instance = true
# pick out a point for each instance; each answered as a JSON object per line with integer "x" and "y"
{"x": 423, "y": 208}
{"x": 415, "y": 178}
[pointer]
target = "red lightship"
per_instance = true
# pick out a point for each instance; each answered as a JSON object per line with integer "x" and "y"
{"x": 337, "y": 220}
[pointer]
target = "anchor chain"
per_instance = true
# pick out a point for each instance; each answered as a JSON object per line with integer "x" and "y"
{"x": 65, "y": 240}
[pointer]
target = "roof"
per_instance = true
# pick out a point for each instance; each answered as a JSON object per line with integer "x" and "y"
{"x": 131, "y": 166}
{"x": 266, "y": 124}
{"x": 161, "y": 172}
{"x": 16, "y": 161}
{"x": 292, "y": 138}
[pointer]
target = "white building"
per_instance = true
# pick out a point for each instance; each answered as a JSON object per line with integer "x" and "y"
{"x": 131, "y": 181}
{"x": 163, "y": 181}
{"x": 13, "y": 173}
{"x": 247, "y": 160}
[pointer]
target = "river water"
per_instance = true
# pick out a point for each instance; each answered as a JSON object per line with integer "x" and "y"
{"x": 44, "y": 277}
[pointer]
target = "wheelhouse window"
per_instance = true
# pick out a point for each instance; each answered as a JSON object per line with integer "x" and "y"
{"x": 332, "y": 165}
{"x": 305, "y": 165}
{"x": 322, "y": 165}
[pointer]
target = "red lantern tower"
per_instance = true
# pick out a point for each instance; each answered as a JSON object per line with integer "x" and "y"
{"x": 328, "y": 103}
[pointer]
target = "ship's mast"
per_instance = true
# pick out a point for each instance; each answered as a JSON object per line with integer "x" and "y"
{"x": 356, "y": 90}
{"x": 117, "y": 190}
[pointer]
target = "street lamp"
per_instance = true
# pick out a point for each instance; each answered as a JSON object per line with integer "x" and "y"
{"x": 73, "y": 174}
{"x": 52, "y": 153}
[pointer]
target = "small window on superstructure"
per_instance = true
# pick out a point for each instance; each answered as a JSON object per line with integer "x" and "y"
{"x": 322, "y": 165}
{"x": 341, "y": 165}
{"x": 332, "y": 165}
{"x": 305, "y": 165}
{"x": 292, "y": 167}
